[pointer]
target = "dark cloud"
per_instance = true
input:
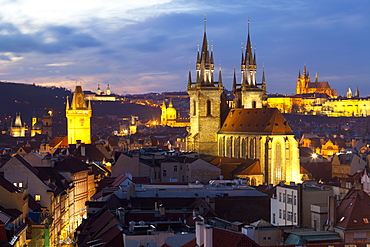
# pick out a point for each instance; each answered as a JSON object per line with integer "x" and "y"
{"x": 62, "y": 39}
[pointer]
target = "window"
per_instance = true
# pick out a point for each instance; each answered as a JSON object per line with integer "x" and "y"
{"x": 284, "y": 197}
{"x": 279, "y": 197}
{"x": 208, "y": 108}
{"x": 295, "y": 200}
{"x": 295, "y": 217}
{"x": 284, "y": 216}
{"x": 181, "y": 167}
{"x": 289, "y": 199}
{"x": 290, "y": 216}
{"x": 175, "y": 168}
{"x": 37, "y": 198}
{"x": 366, "y": 220}
{"x": 280, "y": 213}
{"x": 273, "y": 218}
{"x": 164, "y": 173}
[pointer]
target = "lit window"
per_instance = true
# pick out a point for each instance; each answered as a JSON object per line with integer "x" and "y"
{"x": 341, "y": 219}
{"x": 37, "y": 198}
{"x": 366, "y": 220}
{"x": 354, "y": 221}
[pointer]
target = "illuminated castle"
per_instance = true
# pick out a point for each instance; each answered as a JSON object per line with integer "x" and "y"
{"x": 78, "y": 118}
{"x": 305, "y": 86}
{"x": 250, "y": 131}
{"x": 318, "y": 98}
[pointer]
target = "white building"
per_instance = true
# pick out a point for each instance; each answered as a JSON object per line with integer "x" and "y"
{"x": 291, "y": 204}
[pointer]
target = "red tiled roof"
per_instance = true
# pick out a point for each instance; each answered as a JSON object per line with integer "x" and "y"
{"x": 223, "y": 237}
{"x": 354, "y": 210}
{"x": 256, "y": 120}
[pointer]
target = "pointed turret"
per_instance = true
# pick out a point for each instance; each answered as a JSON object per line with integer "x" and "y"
{"x": 98, "y": 91}
{"x": 299, "y": 74}
{"x": 263, "y": 79}
{"x": 108, "y": 90}
{"x": 220, "y": 78}
{"x": 317, "y": 77}
{"x": 349, "y": 93}
{"x": 234, "y": 82}
{"x": 357, "y": 93}
{"x": 67, "y": 103}
{"x": 189, "y": 79}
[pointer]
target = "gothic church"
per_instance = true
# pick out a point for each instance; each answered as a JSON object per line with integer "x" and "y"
{"x": 250, "y": 130}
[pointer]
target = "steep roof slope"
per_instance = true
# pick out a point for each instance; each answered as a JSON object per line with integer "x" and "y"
{"x": 256, "y": 120}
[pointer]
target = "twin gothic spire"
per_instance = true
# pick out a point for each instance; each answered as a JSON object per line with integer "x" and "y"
{"x": 205, "y": 68}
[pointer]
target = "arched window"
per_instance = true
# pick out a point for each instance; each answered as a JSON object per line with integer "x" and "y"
{"x": 208, "y": 108}
{"x": 252, "y": 148}
{"x": 278, "y": 166}
{"x": 254, "y": 104}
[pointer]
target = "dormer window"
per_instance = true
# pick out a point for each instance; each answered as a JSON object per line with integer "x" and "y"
{"x": 341, "y": 219}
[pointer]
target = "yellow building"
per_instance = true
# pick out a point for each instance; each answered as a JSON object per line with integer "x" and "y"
{"x": 304, "y": 85}
{"x": 78, "y": 118}
{"x": 169, "y": 116}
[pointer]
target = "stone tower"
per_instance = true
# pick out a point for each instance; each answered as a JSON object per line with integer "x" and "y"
{"x": 248, "y": 93}
{"x": 78, "y": 118}
{"x": 205, "y": 103}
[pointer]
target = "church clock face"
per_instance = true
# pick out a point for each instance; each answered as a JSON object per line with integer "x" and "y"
{"x": 82, "y": 121}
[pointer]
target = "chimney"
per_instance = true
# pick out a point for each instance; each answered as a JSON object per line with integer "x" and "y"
{"x": 208, "y": 236}
{"x": 83, "y": 150}
{"x": 332, "y": 213}
{"x": 199, "y": 233}
{"x": 162, "y": 210}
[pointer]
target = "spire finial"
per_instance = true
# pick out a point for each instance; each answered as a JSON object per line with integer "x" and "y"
{"x": 205, "y": 22}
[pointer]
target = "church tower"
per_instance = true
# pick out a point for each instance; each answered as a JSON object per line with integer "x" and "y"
{"x": 78, "y": 118}
{"x": 303, "y": 81}
{"x": 205, "y": 103}
{"x": 248, "y": 93}
{"x": 18, "y": 128}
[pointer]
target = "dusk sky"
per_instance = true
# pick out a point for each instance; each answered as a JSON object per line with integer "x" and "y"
{"x": 140, "y": 46}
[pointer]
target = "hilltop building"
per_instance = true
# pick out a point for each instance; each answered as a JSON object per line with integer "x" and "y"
{"x": 251, "y": 130}
{"x": 78, "y": 118}
{"x": 18, "y": 128}
{"x": 305, "y": 86}
{"x": 101, "y": 95}
{"x": 318, "y": 98}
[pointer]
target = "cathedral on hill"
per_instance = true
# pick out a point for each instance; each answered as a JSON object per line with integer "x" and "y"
{"x": 306, "y": 86}
{"x": 78, "y": 118}
{"x": 250, "y": 131}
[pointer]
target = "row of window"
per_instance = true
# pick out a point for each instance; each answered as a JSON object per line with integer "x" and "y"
{"x": 287, "y": 215}
{"x": 288, "y": 198}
